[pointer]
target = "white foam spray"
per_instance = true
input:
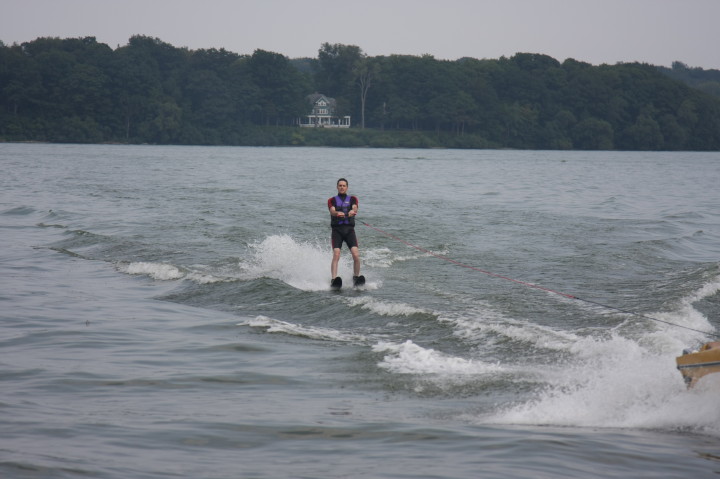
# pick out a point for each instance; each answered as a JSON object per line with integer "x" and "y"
{"x": 301, "y": 264}
{"x": 410, "y": 358}
{"x": 619, "y": 381}
{"x": 169, "y": 272}
{"x": 161, "y": 271}
{"x": 312, "y": 332}
{"x": 385, "y": 308}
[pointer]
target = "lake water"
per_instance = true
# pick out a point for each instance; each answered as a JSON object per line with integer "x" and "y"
{"x": 165, "y": 312}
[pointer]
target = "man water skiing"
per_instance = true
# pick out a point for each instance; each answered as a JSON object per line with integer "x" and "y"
{"x": 343, "y": 209}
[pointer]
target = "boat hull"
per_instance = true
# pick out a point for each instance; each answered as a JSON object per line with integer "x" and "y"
{"x": 695, "y": 365}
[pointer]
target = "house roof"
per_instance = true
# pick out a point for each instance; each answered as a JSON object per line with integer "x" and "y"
{"x": 315, "y": 97}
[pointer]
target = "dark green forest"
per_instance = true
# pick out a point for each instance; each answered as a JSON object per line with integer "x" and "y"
{"x": 148, "y": 91}
{"x": 705, "y": 80}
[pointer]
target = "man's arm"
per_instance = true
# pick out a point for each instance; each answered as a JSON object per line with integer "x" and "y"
{"x": 333, "y": 211}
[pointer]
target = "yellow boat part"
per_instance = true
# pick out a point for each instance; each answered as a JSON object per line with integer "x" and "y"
{"x": 695, "y": 365}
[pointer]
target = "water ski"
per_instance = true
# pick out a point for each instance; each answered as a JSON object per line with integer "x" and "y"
{"x": 358, "y": 280}
{"x": 336, "y": 283}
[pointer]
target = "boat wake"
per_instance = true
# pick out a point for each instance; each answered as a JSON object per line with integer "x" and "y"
{"x": 626, "y": 381}
{"x": 311, "y": 332}
{"x": 620, "y": 377}
{"x": 301, "y": 265}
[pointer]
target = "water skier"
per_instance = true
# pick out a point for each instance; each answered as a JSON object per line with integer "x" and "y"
{"x": 343, "y": 209}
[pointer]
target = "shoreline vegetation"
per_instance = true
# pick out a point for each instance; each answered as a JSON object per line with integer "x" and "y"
{"x": 292, "y": 136}
{"x": 77, "y": 90}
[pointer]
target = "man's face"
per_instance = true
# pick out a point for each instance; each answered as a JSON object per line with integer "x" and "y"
{"x": 342, "y": 187}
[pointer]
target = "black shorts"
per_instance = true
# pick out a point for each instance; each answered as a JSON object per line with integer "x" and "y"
{"x": 344, "y": 233}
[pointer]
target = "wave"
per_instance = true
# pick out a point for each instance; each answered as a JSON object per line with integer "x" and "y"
{"x": 169, "y": 272}
{"x": 618, "y": 383}
{"x": 302, "y": 265}
{"x": 627, "y": 381}
{"x": 311, "y": 332}
{"x": 710, "y": 288}
{"x": 385, "y": 308}
{"x": 306, "y": 265}
{"x": 410, "y": 358}
{"x": 483, "y": 325}
{"x": 590, "y": 377}
{"x": 622, "y": 377}
{"x": 159, "y": 271}
{"x": 19, "y": 211}
{"x": 385, "y": 257}
{"x": 685, "y": 324}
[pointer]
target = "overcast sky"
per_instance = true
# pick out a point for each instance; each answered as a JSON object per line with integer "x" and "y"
{"x": 595, "y": 31}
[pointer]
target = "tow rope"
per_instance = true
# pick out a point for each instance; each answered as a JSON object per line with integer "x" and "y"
{"x": 535, "y": 286}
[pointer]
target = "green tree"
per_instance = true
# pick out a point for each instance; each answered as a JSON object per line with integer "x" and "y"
{"x": 137, "y": 84}
{"x": 336, "y": 69}
{"x": 674, "y": 135}
{"x": 282, "y": 88}
{"x": 366, "y": 71}
{"x": 644, "y": 134}
{"x": 593, "y": 134}
{"x": 77, "y": 89}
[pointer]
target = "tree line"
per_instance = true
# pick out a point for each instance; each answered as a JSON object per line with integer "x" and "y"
{"x": 148, "y": 91}
{"x": 704, "y": 80}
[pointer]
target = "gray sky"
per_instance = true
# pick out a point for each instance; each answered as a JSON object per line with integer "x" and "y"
{"x": 595, "y": 31}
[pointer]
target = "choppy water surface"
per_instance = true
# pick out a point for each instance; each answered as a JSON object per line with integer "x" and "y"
{"x": 165, "y": 312}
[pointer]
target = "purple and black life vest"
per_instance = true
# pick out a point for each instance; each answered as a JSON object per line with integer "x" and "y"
{"x": 344, "y": 205}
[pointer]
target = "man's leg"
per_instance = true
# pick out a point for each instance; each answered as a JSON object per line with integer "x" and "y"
{"x": 356, "y": 260}
{"x": 334, "y": 263}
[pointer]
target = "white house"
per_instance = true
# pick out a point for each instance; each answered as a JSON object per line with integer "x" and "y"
{"x": 323, "y": 114}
